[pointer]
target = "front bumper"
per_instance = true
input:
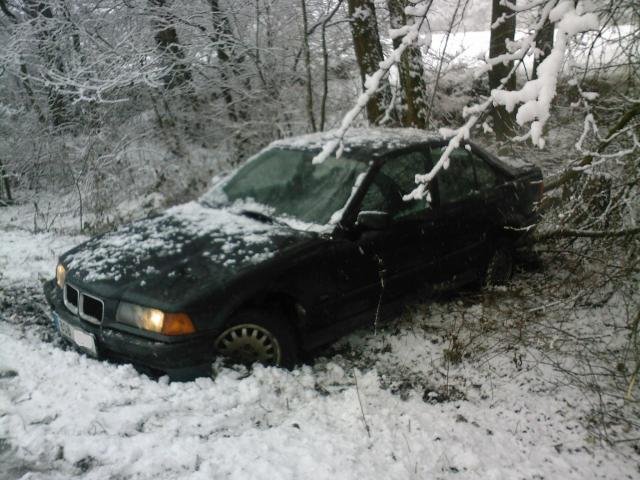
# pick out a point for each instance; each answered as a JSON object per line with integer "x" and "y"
{"x": 181, "y": 360}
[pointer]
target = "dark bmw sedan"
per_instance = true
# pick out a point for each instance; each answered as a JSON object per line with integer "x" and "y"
{"x": 282, "y": 255}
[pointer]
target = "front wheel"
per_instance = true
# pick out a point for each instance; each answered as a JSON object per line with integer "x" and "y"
{"x": 255, "y": 336}
{"x": 500, "y": 267}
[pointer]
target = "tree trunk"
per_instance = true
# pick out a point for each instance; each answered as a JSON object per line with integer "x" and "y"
{"x": 166, "y": 38}
{"x": 544, "y": 42}
{"x": 307, "y": 64}
{"x": 4, "y": 9}
{"x": 220, "y": 37}
{"x": 231, "y": 71}
{"x": 368, "y": 50}
{"x": 53, "y": 60}
{"x": 503, "y": 121}
{"x": 414, "y": 89}
{"x": 325, "y": 65}
{"x": 24, "y": 74}
{"x": 5, "y": 187}
{"x": 26, "y": 84}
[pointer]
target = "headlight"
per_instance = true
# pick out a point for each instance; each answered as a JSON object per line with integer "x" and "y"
{"x": 154, "y": 320}
{"x": 61, "y": 275}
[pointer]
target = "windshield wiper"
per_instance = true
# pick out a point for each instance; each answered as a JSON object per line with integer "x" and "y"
{"x": 261, "y": 217}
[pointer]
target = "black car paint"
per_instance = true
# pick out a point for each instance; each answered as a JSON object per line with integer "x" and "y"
{"x": 326, "y": 284}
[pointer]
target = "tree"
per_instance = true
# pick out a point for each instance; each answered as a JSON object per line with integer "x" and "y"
{"x": 166, "y": 38}
{"x": 544, "y": 43}
{"x": 503, "y": 30}
{"x": 307, "y": 65}
{"x": 411, "y": 72}
{"x": 5, "y": 187}
{"x": 5, "y": 9}
{"x": 24, "y": 78}
{"x": 41, "y": 15}
{"x": 232, "y": 66}
{"x": 368, "y": 50}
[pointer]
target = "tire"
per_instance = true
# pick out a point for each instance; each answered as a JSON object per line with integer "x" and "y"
{"x": 499, "y": 269}
{"x": 258, "y": 336}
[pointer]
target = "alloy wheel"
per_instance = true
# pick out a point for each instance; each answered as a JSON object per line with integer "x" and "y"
{"x": 249, "y": 343}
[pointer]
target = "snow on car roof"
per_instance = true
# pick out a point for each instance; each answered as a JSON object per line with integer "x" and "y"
{"x": 374, "y": 140}
{"x": 514, "y": 162}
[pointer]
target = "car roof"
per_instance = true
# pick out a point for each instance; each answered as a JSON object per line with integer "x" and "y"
{"x": 362, "y": 143}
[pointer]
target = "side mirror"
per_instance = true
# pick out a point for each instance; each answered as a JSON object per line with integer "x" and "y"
{"x": 371, "y": 220}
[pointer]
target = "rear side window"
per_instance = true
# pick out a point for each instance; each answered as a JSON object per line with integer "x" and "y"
{"x": 467, "y": 174}
{"x": 486, "y": 176}
{"x": 458, "y": 181}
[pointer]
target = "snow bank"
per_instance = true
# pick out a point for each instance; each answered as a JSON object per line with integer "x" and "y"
{"x": 68, "y": 414}
{"x": 64, "y": 415}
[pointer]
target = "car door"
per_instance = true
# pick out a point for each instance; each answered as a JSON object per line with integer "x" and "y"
{"x": 489, "y": 185}
{"x": 460, "y": 215}
{"x": 398, "y": 253}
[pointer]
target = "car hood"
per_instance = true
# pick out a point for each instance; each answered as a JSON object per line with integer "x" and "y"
{"x": 164, "y": 259}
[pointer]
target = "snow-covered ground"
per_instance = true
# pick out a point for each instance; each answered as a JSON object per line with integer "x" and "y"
{"x": 27, "y": 257}
{"x": 385, "y": 406}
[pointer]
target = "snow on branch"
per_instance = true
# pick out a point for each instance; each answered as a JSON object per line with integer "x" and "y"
{"x": 536, "y": 95}
{"x": 474, "y": 113}
{"x": 457, "y": 136}
{"x": 410, "y": 35}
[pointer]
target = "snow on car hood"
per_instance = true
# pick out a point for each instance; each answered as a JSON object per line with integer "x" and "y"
{"x": 186, "y": 241}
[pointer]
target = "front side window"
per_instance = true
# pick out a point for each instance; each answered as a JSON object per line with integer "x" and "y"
{"x": 290, "y": 185}
{"x": 395, "y": 179}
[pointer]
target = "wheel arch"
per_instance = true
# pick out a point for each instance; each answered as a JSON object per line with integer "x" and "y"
{"x": 276, "y": 302}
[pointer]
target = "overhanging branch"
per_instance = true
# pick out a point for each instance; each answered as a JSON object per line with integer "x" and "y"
{"x": 574, "y": 233}
{"x": 572, "y": 172}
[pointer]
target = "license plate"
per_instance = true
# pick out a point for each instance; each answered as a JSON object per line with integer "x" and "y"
{"x": 82, "y": 339}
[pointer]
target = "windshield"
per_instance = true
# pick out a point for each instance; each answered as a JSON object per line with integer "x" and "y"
{"x": 290, "y": 185}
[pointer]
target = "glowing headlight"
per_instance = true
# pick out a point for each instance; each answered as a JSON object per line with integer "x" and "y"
{"x": 154, "y": 320}
{"x": 61, "y": 275}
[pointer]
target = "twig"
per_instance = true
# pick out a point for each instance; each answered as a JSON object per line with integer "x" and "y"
{"x": 571, "y": 233}
{"x": 364, "y": 420}
{"x": 571, "y": 173}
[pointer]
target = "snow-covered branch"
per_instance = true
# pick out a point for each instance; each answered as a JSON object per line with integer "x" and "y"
{"x": 410, "y": 35}
{"x": 536, "y": 95}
